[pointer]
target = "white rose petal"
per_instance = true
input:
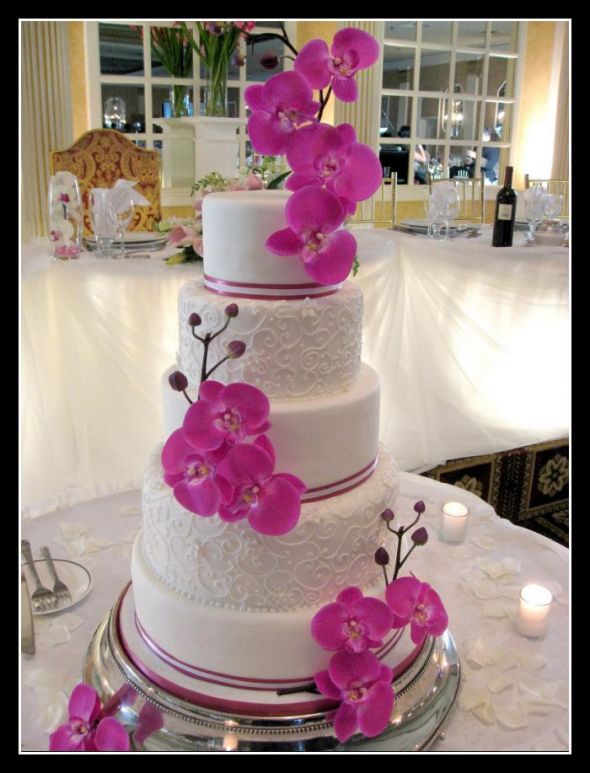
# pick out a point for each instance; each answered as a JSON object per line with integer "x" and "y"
{"x": 472, "y": 696}
{"x": 479, "y": 654}
{"x": 72, "y": 530}
{"x": 494, "y": 569}
{"x": 484, "y": 590}
{"x": 42, "y": 679}
{"x": 485, "y": 543}
{"x": 500, "y": 682}
{"x": 53, "y": 711}
{"x": 486, "y": 714}
{"x": 512, "y": 718}
{"x": 53, "y": 635}
{"x": 543, "y": 708}
{"x": 532, "y": 662}
{"x": 71, "y": 621}
{"x": 506, "y": 660}
{"x": 75, "y": 547}
{"x": 511, "y": 565}
{"x": 94, "y": 544}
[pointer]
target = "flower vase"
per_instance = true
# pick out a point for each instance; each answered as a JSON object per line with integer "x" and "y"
{"x": 180, "y": 104}
{"x": 215, "y": 98}
{"x": 65, "y": 216}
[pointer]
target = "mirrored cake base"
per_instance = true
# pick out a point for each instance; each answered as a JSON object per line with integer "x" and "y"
{"x": 425, "y": 694}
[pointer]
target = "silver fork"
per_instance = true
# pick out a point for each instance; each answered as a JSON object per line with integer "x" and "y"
{"x": 60, "y": 589}
{"x": 42, "y": 598}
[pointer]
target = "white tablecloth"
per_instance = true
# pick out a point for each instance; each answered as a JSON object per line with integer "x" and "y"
{"x": 458, "y": 572}
{"x": 471, "y": 344}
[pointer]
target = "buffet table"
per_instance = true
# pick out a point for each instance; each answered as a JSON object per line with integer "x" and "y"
{"x": 471, "y": 344}
{"x": 514, "y": 692}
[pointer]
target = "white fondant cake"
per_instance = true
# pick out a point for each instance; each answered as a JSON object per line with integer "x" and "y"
{"x": 217, "y": 600}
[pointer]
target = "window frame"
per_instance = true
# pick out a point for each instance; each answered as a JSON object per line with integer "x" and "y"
{"x": 411, "y": 190}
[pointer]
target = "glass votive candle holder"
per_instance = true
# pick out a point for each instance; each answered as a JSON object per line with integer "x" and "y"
{"x": 454, "y": 523}
{"x": 533, "y": 611}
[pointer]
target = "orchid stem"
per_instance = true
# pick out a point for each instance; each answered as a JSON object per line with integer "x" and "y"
{"x": 385, "y": 575}
{"x": 206, "y": 342}
{"x": 215, "y": 367}
{"x": 187, "y": 397}
{"x": 405, "y": 558}
{"x": 304, "y": 688}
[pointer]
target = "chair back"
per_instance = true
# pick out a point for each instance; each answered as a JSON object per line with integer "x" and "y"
{"x": 559, "y": 187}
{"x": 381, "y": 209}
{"x": 99, "y": 158}
{"x": 471, "y": 195}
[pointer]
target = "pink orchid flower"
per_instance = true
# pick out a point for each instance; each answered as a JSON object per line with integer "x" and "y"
{"x": 320, "y": 154}
{"x": 193, "y": 476}
{"x": 64, "y": 198}
{"x": 271, "y": 502}
{"x": 352, "y": 50}
{"x": 186, "y": 236}
{"x": 415, "y": 602}
{"x": 278, "y": 107}
{"x": 363, "y": 685}
{"x": 352, "y": 622}
{"x": 55, "y": 236}
{"x": 225, "y": 414}
{"x": 87, "y": 728}
{"x": 314, "y": 215}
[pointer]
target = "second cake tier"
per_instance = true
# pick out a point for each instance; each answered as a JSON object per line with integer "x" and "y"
{"x": 294, "y": 348}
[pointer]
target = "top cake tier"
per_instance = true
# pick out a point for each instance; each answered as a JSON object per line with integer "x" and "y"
{"x": 236, "y": 262}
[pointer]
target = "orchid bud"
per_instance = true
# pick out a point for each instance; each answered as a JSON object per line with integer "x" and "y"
{"x": 420, "y": 536}
{"x": 381, "y": 557}
{"x": 232, "y": 310}
{"x": 420, "y": 507}
{"x": 269, "y": 60}
{"x": 194, "y": 320}
{"x": 235, "y": 349}
{"x": 178, "y": 381}
{"x": 387, "y": 515}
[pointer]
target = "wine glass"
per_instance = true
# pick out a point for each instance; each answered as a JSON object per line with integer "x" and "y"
{"x": 449, "y": 207}
{"x": 534, "y": 209}
{"x": 104, "y": 231}
{"x": 553, "y": 205}
{"x": 434, "y": 218}
{"x": 120, "y": 213}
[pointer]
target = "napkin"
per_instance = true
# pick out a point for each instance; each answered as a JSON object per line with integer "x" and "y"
{"x": 118, "y": 197}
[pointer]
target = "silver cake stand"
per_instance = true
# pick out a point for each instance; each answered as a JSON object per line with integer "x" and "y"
{"x": 425, "y": 694}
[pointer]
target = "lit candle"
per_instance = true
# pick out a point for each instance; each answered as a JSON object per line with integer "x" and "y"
{"x": 533, "y": 611}
{"x": 230, "y": 742}
{"x": 454, "y": 525}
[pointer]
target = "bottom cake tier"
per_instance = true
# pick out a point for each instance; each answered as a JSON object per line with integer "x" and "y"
{"x": 247, "y": 663}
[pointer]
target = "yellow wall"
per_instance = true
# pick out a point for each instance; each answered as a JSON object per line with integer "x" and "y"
{"x": 78, "y": 85}
{"x": 533, "y": 145}
{"x": 310, "y": 30}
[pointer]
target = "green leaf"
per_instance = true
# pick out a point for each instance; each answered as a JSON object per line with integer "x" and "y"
{"x": 274, "y": 184}
{"x": 174, "y": 260}
{"x": 355, "y": 266}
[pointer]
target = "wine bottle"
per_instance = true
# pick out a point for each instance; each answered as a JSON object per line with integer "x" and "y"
{"x": 505, "y": 212}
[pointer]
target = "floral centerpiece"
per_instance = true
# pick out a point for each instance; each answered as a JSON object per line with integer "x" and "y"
{"x": 216, "y": 45}
{"x": 173, "y": 49}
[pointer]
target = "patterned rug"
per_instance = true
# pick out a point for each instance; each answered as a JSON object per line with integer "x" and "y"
{"x": 529, "y": 485}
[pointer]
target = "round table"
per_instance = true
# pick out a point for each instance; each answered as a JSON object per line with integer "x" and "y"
{"x": 518, "y": 685}
{"x": 471, "y": 344}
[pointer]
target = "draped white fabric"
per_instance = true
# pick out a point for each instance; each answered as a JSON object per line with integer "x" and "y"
{"x": 46, "y": 114}
{"x": 471, "y": 344}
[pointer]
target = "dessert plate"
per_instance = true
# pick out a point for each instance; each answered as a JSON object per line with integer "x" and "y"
{"x": 134, "y": 239}
{"x": 75, "y": 576}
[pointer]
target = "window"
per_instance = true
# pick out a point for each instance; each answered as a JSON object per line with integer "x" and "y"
{"x": 447, "y": 98}
{"x": 132, "y": 88}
